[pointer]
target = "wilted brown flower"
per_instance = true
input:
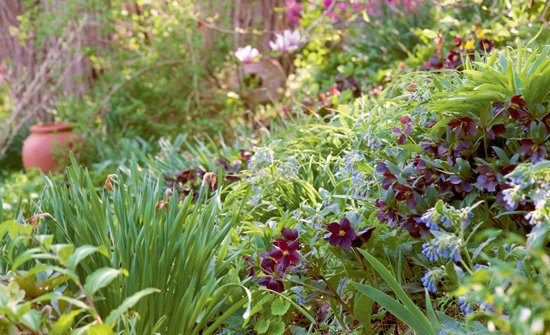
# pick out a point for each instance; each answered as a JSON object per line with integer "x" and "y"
{"x": 211, "y": 178}
{"x": 108, "y": 183}
{"x": 162, "y": 204}
{"x": 33, "y": 220}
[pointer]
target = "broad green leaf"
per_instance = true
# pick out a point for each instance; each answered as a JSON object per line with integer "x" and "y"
{"x": 53, "y": 296}
{"x": 99, "y": 279}
{"x": 362, "y": 310}
{"x": 440, "y": 124}
{"x": 279, "y": 307}
{"x": 262, "y": 325}
{"x": 413, "y": 148}
{"x": 276, "y": 328}
{"x": 82, "y": 252}
{"x": 31, "y": 319}
{"x": 100, "y": 329}
{"x": 63, "y": 250}
{"x": 65, "y": 322}
{"x": 127, "y": 304}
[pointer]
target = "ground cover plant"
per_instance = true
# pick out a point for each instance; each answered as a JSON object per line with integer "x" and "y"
{"x": 400, "y": 185}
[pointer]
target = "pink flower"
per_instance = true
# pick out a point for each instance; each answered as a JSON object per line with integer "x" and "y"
{"x": 247, "y": 54}
{"x": 293, "y": 12}
{"x": 289, "y": 41}
{"x": 333, "y": 16}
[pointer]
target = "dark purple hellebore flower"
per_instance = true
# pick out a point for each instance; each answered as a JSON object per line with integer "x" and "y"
{"x": 535, "y": 150}
{"x": 386, "y": 212}
{"x": 517, "y": 109}
{"x": 187, "y": 175}
{"x": 268, "y": 265}
{"x": 363, "y": 236}
{"x": 397, "y": 132}
{"x": 434, "y": 63}
{"x": 461, "y": 185}
{"x": 232, "y": 177}
{"x": 463, "y": 125}
{"x": 341, "y": 234}
{"x": 454, "y": 59}
{"x": 405, "y": 132}
{"x": 416, "y": 227}
{"x": 463, "y": 148}
{"x": 224, "y": 164}
{"x": 486, "y": 45}
{"x": 496, "y": 130}
{"x": 498, "y": 109}
{"x": 250, "y": 267}
{"x": 290, "y": 235}
{"x": 429, "y": 147}
{"x": 381, "y": 168}
{"x": 272, "y": 283}
{"x": 404, "y": 192}
{"x": 389, "y": 179}
{"x": 245, "y": 155}
{"x": 487, "y": 178}
{"x": 285, "y": 253}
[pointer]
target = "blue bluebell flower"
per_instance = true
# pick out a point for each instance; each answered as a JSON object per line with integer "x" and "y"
{"x": 429, "y": 251}
{"x": 289, "y": 169}
{"x": 427, "y": 219}
{"x": 520, "y": 265}
{"x": 351, "y": 158}
{"x": 445, "y": 246}
{"x": 446, "y": 222}
{"x": 486, "y": 307}
{"x": 300, "y": 299}
{"x": 297, "y": 216}
{"x": 261, "y": 158}
{"x": 428, "y": 281}
{"x": 465, "y": 306}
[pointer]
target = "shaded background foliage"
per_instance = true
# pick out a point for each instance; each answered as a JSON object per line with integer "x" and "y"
{"x": 370, "y": 137}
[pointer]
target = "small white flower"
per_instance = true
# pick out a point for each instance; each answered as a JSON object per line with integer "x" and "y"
{"x": 289, "y": 41}
{"x": 524, "y": 314}
{"x": 537, "y": 326}
{"x": 247, "y": 54}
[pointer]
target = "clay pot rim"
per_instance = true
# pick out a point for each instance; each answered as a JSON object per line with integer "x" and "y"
{"x": 51, "y": 127}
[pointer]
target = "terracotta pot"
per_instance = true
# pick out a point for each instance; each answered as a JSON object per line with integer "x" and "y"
{"x": 273, "y": 78}
{"x": 45, "y": 142}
